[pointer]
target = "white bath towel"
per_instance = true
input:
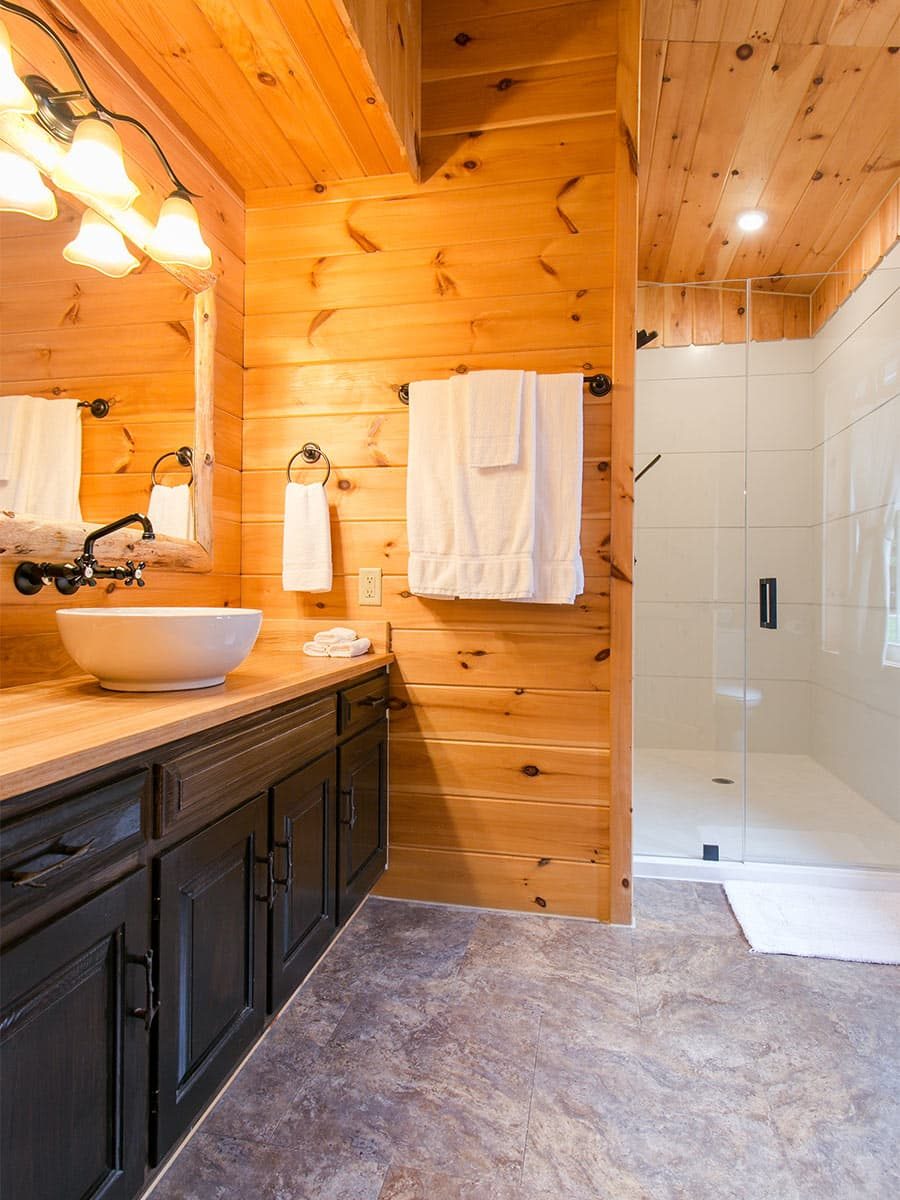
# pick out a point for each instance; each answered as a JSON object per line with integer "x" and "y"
{"x": 338, "y": 633}
{"x": 306, "y": 551}
{"x": 170, "y": 512}
{"x": 43, "y": 457}
{"x": 470, "y": 529}
{"x": 558, "y": 566}
{"x": 10, "y": 432}
{"x": 429, "y": 490}
{"x": 315, "y": 650}
{"x": 493, "y": 403}
{"x": 350, "y": 649}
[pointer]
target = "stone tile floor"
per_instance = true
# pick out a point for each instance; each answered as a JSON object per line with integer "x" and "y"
{"x": 444, "y": 1054}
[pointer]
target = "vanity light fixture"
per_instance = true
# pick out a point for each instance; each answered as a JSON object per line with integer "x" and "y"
{"x": 98, "y": 245}
{"x": 751, "y": 220}
{"x": 176, "y": 238}
{"x": 93, "y": 166}
{"x": 22, "y": 190}
{"x": 14, "y": 95}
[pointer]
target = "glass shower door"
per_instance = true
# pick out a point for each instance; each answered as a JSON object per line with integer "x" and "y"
{"x": 690, "y": 545}
{"x": 823, "y": 685}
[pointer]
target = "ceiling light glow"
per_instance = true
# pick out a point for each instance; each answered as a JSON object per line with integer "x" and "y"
{"x": 751, "y": 220}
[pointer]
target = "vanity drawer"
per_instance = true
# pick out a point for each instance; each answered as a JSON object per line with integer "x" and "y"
{"x": 211, "y": 779}
{"x": 364, "y": 704}
{"x": 47, "y": 850}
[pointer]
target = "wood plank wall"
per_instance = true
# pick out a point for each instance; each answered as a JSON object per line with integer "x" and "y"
{"x": 503, "y": 256}
{"x": 865, "y": 252}
{"x": 130, "y": 341}
{"x": 708, "y": 315}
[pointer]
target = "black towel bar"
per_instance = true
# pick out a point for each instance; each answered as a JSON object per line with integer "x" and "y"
{"x": 600, "y": 385}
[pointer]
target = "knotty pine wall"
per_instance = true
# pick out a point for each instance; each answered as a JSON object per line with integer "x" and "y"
{"x": 517, "y": 249}
{"x": 93, "y": 344}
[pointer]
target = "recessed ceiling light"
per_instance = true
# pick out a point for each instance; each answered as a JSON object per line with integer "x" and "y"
{"x": 751, "y": 220}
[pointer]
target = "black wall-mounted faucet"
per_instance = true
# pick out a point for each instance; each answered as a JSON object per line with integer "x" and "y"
{"x": 30, "y": 577}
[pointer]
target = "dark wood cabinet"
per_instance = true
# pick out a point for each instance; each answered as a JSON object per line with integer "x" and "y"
{"x": 156, "y": 911}
{"x": 303, "y": 916}
{"x": 362, "y": 821}
{"x": 213, "y": 892}
{"x": 75, "y": 1005}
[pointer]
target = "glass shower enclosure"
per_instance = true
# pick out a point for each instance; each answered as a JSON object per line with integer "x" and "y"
{"x": 767, "y": 617}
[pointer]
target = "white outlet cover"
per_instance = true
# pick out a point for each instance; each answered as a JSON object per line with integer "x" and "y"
{"x": 370, "y": 585}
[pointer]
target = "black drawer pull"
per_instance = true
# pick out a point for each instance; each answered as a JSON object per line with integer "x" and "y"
{"x": 288, "y": 847}
{"x": 269, "y": 863}
{"x": 372, "y": 701}
{"x": 350, "y": 795}
{"x": 33, "y": 878}
{"x": 147, "y": 1014}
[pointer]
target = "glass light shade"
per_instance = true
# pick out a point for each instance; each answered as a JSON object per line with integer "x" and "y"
{"x": 14, "y": 95}
{"x": 177, "y": 240}
{"x": 100, "y": 246}
{"x": 93, "y": 165}
{"x": 22, "y": 190}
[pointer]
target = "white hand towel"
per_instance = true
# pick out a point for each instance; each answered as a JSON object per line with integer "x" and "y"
{"x": 493, "y": 403}
{"x": 558, "y": 567}
{"x": 494, "y": 510}
{"x": 44, "y": 459}
{"x": 169, "y": 511}
{"x": 350, "y": 649}
{"x": 315, "y": 650}
{"x": 338, "y": 633}
{"x": 306, "y": 552}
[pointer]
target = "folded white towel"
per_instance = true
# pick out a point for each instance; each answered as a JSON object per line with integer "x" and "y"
{"x": 493, "y": 404}
{"x": 558, "y": 567}
{"x": 306, "y": 551}
{"x": 350, "y": 649}
{"x": 315, "y": 650}
{"x": 42, "y": 457}
{"x": 169, "y": 511}
{"x": 338, "y": 633}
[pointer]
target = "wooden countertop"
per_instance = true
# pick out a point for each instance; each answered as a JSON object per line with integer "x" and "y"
{"x": 57, "y": 729}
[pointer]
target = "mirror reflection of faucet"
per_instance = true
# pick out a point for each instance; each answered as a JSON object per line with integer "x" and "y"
{"x": 30, "y": 577}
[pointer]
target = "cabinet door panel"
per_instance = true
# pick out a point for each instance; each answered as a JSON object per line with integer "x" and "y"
{"x": 362, "y": 825}
{"x": 74, "y": 1057}
{"x": 212, "y": 944}
{"x": 303, "y": 918}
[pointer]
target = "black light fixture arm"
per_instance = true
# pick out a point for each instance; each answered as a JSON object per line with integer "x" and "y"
{"x": 88, "y": 94}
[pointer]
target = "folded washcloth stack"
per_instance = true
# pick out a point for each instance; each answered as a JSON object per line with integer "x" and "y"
{"x": 338, "y": 642}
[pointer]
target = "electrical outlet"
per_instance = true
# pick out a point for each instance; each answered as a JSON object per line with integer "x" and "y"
{"x": 370, "y": 585}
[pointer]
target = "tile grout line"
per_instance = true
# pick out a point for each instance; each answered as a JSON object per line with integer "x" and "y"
{"x": 537, "y": 1050}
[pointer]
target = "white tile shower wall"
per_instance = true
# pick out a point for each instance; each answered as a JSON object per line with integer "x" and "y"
{"x": 855, "y": 685}
{"x": 690, "y": 542}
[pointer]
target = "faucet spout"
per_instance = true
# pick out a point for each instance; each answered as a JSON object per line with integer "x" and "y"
{"x": 133, "y": 519}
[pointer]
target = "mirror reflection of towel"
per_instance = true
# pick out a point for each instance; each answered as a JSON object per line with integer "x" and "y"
{"x": 170, "y": 511}
{"x": 40, "y": 456}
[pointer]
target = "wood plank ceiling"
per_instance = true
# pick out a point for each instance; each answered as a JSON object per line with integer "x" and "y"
{"x": 273, "y": 92}
{"x": 789, "y": 106}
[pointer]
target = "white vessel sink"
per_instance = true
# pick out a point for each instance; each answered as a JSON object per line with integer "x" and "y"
{"x": 158, "y": 649}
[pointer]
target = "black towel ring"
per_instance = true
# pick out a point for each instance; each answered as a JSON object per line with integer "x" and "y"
{"x": 311, "y": 453}
{"x": 185, "y": 456}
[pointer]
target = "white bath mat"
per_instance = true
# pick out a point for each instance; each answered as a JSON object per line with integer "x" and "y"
{"x": 818, "y": 922}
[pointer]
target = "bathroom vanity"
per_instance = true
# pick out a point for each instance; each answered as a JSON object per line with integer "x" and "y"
{"x": 159, "y": 906}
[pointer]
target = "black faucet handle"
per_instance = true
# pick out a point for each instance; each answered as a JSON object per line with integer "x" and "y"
{"x": 134, "y": 573}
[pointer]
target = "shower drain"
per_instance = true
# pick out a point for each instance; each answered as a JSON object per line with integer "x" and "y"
{"x": 721, "y": 779}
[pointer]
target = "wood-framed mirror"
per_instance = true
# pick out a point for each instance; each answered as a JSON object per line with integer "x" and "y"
{"x": 145, "y": 344}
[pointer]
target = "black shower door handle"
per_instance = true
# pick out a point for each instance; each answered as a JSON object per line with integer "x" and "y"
{"x": 768, "y": 603}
